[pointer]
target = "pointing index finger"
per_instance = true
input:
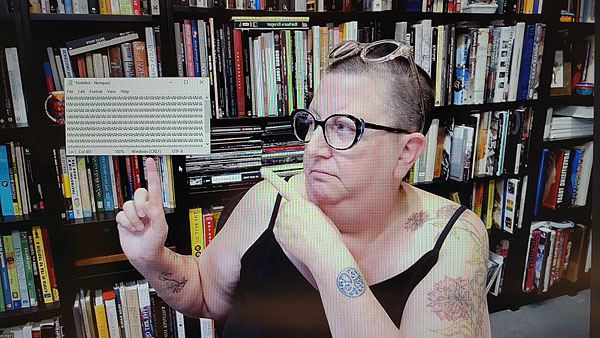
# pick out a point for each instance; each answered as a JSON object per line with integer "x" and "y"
{"x": 284, "y": 188}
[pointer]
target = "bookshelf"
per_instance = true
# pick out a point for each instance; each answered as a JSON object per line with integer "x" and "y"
{"x": 31, "y": 33}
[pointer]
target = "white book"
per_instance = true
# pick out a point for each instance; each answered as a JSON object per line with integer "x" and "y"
{"x": 211, "y": 27}
{"x": 105, "y": 66}
{"x": 400, "y": 31}
{"x": 352, "y": 33}
{"x": 54, "y": 68}
{"x": 481, "y": 46}
{"x": 515, "y": 67}
{"x": 207, "y": 328}
{"x": 16, "y": 85}
{"x": 202, "y": 48}
{"x": 271, "y": 82}
{"x": 252, "y": 71}
{"x": 456, "y": 153}
{"x": 503, "y": 63}
{"x": 86, "y": 310}
{"x": 98, "y": 65}
{"x": 259, "y": 88}
{"x": 28, "y": 330}
{"x": 588, "y": 259}
{"x": 61, "y": 72}
{"x": 432, "y": 136}
{"x": 418, "y": 31}
{"x": 300, "y": 5}
{"x": 20, "y": 263}
{"x": 376, "y": 5}
{"x": 23, "y": 186}
{"x": 66, "y": 62}
{"x": 180, "y": 324}
{"x": 127, "y": 57}
{"x": 474, "y": 143}
{"x": 78, "y": 318}
{"x": 178, "y": 50}
{"x": 113, "y": 178}
{"x": 133, "y": 309}
{"x": 550, "y": 245}
{"x": 90, "y": 182}
{"x": 512, "y": 188}
{"x": 83, "y": 7}
{"x": 440, "y": 72}
{"x": 75, "y": 4}
{"x": 426, "y": 46}
{"x": 60, "y": 9}
{"x": 86, "y": 201}
{"x": 151, "y": 52}
{"x": 115, "y": 7}
{"x": 522, "y": 202}
{"x": 468, "y": 152}
{"x": 586, "y": 173}
{"x": 316, "y": 54}
{"x": 124, "y": 309}
{"x": 75, "y": 189}
{"x": 112, "y": 318}
{"x": 502, "y": 134}
{"x": 300, "y": 64}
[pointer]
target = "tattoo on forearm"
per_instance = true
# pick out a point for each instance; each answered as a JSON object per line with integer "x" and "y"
{"x": 351, "y": 283}
{"x": 174, "y": 285}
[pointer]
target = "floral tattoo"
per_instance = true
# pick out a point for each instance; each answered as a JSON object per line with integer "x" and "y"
{"x": 459, "y": 300}
{"x": 174, "y": 285}
{"x": 351, "y": 283}
{"x": 416, "y": 220}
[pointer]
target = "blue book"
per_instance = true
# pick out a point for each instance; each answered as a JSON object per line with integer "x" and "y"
{"x": 69, "y": 6}
{"x": 573, "y": 179}
{"x": 6, "y": 199}
{"x": 413, "y": 5}
{"x": 461, "y": 68}
{"x": 4, "y": 273}
{"x": 540, "y": 186}
{"x": 536, "y": 5}
{"x": 106, "y": 183}
{"x": 195, "y": 48}
{"x": 526, "y": 62}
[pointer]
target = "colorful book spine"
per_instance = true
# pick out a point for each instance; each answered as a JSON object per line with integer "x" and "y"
{"x": 50, "y": 264}
{"x": 106, "y": 183}
{"x": 11, "y": 266}
{"x": 20, "y": 265}
{"x": 42, "y": 267}
{"x": 196, "y": 231}
{"x": 5, "y": 283}
{"x": 28, "y": 268}
{"x": 6, "y": 200}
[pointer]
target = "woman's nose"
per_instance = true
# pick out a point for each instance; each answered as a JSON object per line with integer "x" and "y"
{"x": 317, "y": 145}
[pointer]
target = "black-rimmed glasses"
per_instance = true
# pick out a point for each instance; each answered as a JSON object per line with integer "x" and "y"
{"x": 341, "y": 131}
{"x": 379, "y": 51}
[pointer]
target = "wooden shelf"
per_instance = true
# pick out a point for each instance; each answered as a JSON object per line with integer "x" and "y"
{"x": 93, "y": 17}
{"x": 20, "y": 316}
{"x": 185, "y": 11}
{"x": 567, "y": 143}
{"x": 470, "y": 108}
{"x": 101, "y": 217}
{"x": 21, "y": 222}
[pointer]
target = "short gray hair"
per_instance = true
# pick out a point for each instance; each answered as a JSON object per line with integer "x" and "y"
{"x": 402, "y": 90}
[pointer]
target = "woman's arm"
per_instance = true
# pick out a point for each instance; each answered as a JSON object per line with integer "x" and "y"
{"x": 351, "y": 308}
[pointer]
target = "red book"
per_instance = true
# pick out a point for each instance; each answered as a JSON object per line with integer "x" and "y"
{"x": 532, "y": 259}
{"x": 50, "y": 264}
{"x": 239, "y": 72}
{"x": 189, "y": 51}
{"x": 81, "y": 70}
{"x": 136, "y": 172}
{"x": 553, "y": 167}
{"x": 209, "y": 228}
{"x": 130, "y": 175}
{"x": 140, "y": 59}
{"x": 108, "y": 295}
{"x": 347, "y": 6}
{"x": 565, "y": 251}
{"x": 137, "y": 7}
{"x": 118, "y": 181}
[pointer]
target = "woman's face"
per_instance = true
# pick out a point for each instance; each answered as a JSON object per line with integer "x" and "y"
{"x": 335, "y": 175}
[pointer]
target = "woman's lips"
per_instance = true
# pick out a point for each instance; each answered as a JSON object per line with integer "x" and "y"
{"x": 322, "y": 172}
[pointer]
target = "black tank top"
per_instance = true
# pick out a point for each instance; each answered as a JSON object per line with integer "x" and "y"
{"x": 273, "y": 299}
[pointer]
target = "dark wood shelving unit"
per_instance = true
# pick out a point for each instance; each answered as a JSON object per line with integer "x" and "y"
{"x": 31, "y": 31}
{"x": 567, "y": 143}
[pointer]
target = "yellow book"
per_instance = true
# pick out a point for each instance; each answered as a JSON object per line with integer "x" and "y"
{"x": 42, "y": 266}
{"x": 100, "y": 311}
{"x": 17, "y": 204}
{"x": 455, "y": 197}
{"x": 11, "y": 266}
{"x": 216, "y": 215}
{"x": 171, "y": 181}
{"x": 65, "y": 173}
{"x": 528, "y": 7}
{"x": 196, "y": 231}
{"x": 490, "y": 204}
{"x": 104, "y": 6}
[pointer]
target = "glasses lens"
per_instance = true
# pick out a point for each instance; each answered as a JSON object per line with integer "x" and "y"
{"x": 380, "y": 50}
{"x": 343, "y": 50}
{"x": 304, "y": 126}
{"x": 341, "y": 131}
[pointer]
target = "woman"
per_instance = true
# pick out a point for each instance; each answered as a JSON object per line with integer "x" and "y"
{"x": 346, "y": 249}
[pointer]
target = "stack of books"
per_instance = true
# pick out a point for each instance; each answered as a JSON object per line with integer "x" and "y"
{"x": 13, "y": 112}
{"x": 20, "y": 191}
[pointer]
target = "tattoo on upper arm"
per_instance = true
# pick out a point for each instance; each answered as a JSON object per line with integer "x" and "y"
{"x": 351, "y": 283}
{"x": 416, "y": 220}
{"x": 463, "y": 301}
{"x": 174, "y": 285}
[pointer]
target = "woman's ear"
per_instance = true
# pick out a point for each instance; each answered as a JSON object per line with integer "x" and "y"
{"x": 411, "y": 147}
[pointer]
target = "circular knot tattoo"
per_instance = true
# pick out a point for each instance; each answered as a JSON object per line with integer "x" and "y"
{"x": 351, "y": 283}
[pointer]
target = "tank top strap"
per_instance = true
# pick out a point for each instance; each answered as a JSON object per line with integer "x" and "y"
{"x": 276, "y": 208}
{"x": 444, "y": 233}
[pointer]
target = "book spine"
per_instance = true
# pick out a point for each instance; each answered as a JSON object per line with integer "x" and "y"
{"x": 6, "y": 193}
{"x": 20, "y": 265}
{"x": 151, "y": 52}
{"x": 128, "y": 61}
{"x": 27, "y": 259}
{"x": 106, "y": 183}
{"x": 35, "y": 267}
{"x": 526, "y": 62}
{"x": 118, "y": 185}
{"x": 84, "y": 187}
{"x": 24, "y": 192}
{"x": 5, "y": 279}
{"x": 90, "y": 182}
{"x": 196, "y": 231}
{"x": 136, "y": 7}
{"x": 66, "y": 183}
{"x": 50, "y": 264}
{"x": 75, "y": 189}
{"x": 202, "y": 49}
{"x": 239, "y": 72}
{"x": 113, "y": 183}
{"x": 140, "y": 58}
{"x": 209, "y": 228}
{"x": 11, "y": 266}
{"x": 531, "y": 260}
{"x": 195, "y": 51}
{"x": 145, "y": 310}
{"x": 97, "y": 177}
{"x": 16, "y": 86}
{"x": 179, "y": 50}
{"x": 14, "y": 179}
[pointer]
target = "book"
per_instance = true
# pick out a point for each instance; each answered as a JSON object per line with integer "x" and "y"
{"x": 27, "y": 259}
{"x": 42, "y": 265}
{"x": 7, "y": 297}
{"x": 98, "y": 41}
{"x": 100, "y": 315}
{"x": 133, "y": 309}
{"x": 20, "y": 265}
{"x": 11, "y": 266}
